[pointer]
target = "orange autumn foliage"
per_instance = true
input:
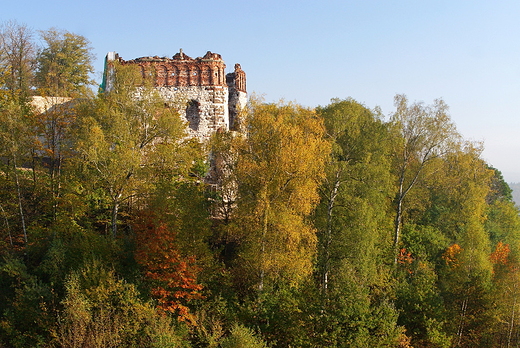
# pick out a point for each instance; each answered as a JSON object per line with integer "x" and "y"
{"x": 173, "y": 277}
{"x": 405, "y": 259}
{"x": 500, "y": 255}
{"x": 451, "y": 255}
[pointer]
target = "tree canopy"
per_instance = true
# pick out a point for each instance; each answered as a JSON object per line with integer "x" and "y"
{"x": 64, "y": 65}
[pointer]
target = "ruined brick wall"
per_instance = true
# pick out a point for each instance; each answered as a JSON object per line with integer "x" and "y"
{"x": 236, "y": 82}
{"x": 198, "y": 87}
{"x": 182, "y": 70}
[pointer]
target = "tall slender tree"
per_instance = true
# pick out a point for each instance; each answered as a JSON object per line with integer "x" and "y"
{"x": 352, "y": 217}
{"x": 16, "y": 146}
{"x": 122, "y": 139}
{"x": 353, "y": 221}
{"x": 426, "y": 132}
{"x": 17, "y": 58}
{"x": 64, "y": 65}
{"x": 279, "y": 167}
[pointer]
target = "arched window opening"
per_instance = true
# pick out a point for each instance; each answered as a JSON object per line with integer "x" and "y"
{"x": 193, "y": 114}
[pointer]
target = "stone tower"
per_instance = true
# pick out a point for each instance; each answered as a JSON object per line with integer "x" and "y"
{"x": 203, "y": 94}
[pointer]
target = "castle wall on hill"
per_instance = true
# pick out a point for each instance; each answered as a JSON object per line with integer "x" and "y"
{"x": 207, "y": 98}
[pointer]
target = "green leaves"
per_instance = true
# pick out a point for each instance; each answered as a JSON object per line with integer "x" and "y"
{"x": 278, "y": 169}
{"x": 353, "y": 213}
{"x": 101, "y": 310}
{"x": 127, "y": 143}
{"x": 64, "y": 65}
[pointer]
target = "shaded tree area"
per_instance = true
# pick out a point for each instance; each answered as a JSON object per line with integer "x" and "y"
{"x": 327, "y": 227}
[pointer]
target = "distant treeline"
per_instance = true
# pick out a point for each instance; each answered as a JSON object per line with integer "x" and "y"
{"x": 515, "y": 187}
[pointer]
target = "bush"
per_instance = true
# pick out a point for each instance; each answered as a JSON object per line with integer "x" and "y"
{"x": 101, "y": 310}
{"x": 242, "y": 337}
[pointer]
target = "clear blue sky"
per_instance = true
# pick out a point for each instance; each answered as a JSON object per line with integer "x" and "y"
{"x": 464, "y": 51}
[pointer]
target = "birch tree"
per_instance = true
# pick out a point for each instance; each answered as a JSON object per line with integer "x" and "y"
{"x": 280, "y": 165}
{"x": 351, "y": 217}
{"x": 16, "y": 143}
{"x": 125, "y": 141}
{"x": 426, "y": 132}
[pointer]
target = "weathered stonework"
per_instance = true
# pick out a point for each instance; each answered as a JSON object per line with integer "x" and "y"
{"x": 205, "y": 97}
{"x": 45, "y": 104}
{"x": 236, "y": 82}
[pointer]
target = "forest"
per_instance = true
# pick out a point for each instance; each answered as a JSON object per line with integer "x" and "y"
{"x": 332, "y": 226}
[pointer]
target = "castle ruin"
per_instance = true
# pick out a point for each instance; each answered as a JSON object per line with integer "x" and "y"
{"x": 203, "y": 94}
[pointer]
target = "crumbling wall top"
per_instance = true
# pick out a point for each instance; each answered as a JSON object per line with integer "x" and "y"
{"x": 183, "y": 71}
{"x": 178, "y": 57}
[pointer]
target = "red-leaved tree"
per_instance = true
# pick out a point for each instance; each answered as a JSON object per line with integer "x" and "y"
{"x": 173, "y": 277}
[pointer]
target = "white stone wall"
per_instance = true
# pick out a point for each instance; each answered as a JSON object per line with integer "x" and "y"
{"x": 212, "y": 107}
{"x": 242, "y": 100}
{"x": 237, "y": 101}
{"x": 216, "y": 107}
{"x": 43, "y": 104}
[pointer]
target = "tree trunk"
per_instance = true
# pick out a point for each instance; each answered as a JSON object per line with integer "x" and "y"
{"x": 462, "y": 322}
{"x": 7, "y": 225}
{"x": 512, "y": 321}
{"x": 398, "y": 217}
{"x": 262, "y": 251}
{"x": 20, "y": 205}
{"x": 328, "y": 235}
{"x": 115, "y": 211}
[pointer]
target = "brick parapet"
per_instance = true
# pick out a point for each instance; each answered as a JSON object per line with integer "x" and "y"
{"x": 182, "y": 71}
